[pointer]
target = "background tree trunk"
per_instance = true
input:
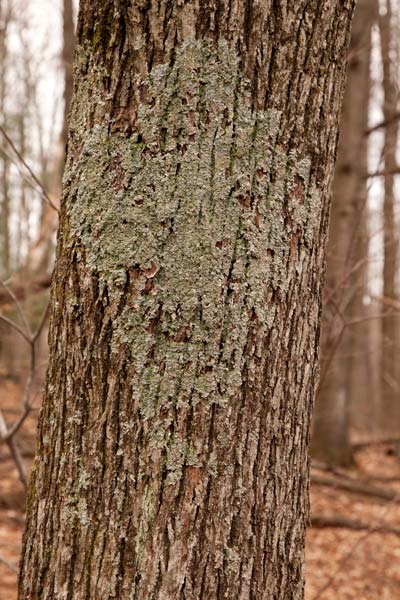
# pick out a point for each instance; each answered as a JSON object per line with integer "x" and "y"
{"x": 5, "y": 15}
{"x": 172, "y": 453}
{"x": 68, "y": 59}
{"x": 42, "y": 251}
{"x": 390, "y": 372}
{"x": 343, "y": 377}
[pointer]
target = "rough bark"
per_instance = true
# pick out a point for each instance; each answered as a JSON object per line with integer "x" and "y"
{"x": 390, "y": 373}
{"x": 172, "y": 452}
{"x": 343, "y": 371}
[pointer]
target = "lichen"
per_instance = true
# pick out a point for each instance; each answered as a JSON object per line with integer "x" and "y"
{"x": 201, "y": 213}
{"x": 175, "y": 460}
{"x": 232, "y": 560}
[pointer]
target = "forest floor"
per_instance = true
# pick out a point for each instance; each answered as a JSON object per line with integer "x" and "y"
{"x": 341, "y": 563}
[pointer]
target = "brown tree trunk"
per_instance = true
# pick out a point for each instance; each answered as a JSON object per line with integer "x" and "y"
{"x": 42, "y": 251}
{"x": 390, "y": 372}
{"x": 172, "y": 453}
{"x": 5, "y": 218}
{"x": 67, "y": 58}
{"x": 5, "y": 17}
{"x": 347, "y": 253}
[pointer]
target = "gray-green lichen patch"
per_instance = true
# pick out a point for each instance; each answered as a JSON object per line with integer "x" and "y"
{"x": 203, "y": 216}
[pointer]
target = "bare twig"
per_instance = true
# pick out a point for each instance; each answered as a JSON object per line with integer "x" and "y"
{"x": 340, "y": 522}
{"x": 376, "y": 442}
{"x": 19, "y": 463}
{"x": 322, "y": 466}
{"x": 384, "y": 123}
{"x": 17, "y": 425}
{"x": 14, "y": 299}
{"x": 22, "y": 290}
{"x": 28, "y": 168}
{"x": 8, "y": 564}
{"x": 370, "y": 318}
{"x": 16, "y": 327}
{"x": 14, "y": 451}
{"x": 361, "y": 540}
{"x": 390, "y": 302}
{"x": 366, "y": 478}
{"x": 358, "y": 487}
{"x": 384, "y": 173}
{"x": 7, "y": 434}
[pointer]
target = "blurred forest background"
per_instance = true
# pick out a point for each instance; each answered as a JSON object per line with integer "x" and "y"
{"x": 354, "y": 544}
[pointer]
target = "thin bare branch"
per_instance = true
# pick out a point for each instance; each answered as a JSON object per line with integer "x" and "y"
{"x": 339, "y": 522}
{"x": 391, "y": 302}
{"x": 22, "y": 290}
{"x": 17, "y": 328}
{"x": 349, "y": 554}
{"x": 28, "y": 168}
{"x": 14, "y": 451}
{"x": 384, "y": 173}
{"x": 354, "y": 486}
{"x": 8, "y": 564}
{"x": 376, "y": 442}
{"x": 18, "y": 307}
{"x": 384, "y": 123}
{"x": 16, "y": 454}
{"x": 17, "y": 425}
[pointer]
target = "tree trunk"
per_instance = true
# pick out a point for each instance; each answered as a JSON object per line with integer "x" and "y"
{"x": 172, "y": 453}
{"x": 347, "y": 253}
{"x": 67, "y": 58}
{"x": 390, "y": 372}
{"x": 5, "y": 218}
{"x": 5, "y": 16}
{"x": 42, "y": 250}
